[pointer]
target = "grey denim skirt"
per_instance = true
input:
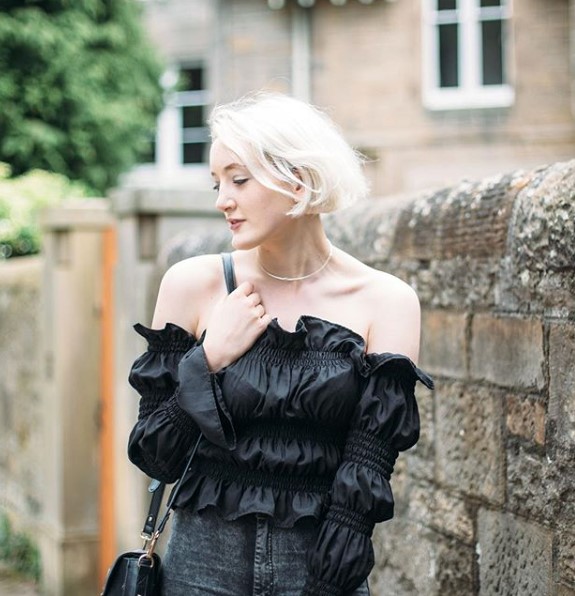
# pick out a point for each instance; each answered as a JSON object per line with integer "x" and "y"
{"x": 208, "y": 556}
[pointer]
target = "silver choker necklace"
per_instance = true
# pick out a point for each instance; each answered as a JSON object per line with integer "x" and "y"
{"x": 280, "y": 278}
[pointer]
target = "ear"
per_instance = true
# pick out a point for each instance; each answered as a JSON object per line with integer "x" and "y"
{"x": 299, "y": 189}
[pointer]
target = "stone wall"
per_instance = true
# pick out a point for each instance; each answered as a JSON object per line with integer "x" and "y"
{"x": 486, "y": 500}
{"x": 20, "y": 419}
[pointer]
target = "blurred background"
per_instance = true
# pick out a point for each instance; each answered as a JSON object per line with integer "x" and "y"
{"x": 464, "y": 110}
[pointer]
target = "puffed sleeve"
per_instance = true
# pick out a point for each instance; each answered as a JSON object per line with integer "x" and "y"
{"x": 179, "y": 398}
{"x": 385, "y": 422}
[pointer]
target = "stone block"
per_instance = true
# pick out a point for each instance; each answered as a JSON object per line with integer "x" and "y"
{"x": 507, "y": 351}
{"x": 442, "y": 511}
{"x": 566, "y": 557}
{"x": 421, "y": 504}
{"x": 562, "y": 381}
{"x": 377, "y": 222}
{"x": 452, "y": 516}
{"x": 541, "y": 487}
{"x": 437, "y": 564}
{"x": 444, "y": 343}
{"x": 470, "y": 219}
{"x": 461, "y": 283}
{"x": 515, "y": 556}
{"x": 456, "y": 567}
{"x": 539, "y": 271}
{"x": 469, "y": 444}
{"x": 389, "y": 570}
{"x": 526, "y": 418}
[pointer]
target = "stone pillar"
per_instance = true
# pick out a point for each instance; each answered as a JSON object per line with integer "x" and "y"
{"x": 70, "y": 396}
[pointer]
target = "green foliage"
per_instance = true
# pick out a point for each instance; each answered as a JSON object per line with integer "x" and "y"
{"x": 79, "y": 88}
{"x": 18, "y": 552}
{"x": 21, "y": 199}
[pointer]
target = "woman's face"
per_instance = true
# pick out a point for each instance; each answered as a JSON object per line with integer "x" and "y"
{"x": 255, "y": 213}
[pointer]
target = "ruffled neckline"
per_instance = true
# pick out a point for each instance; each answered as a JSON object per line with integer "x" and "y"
{"x": 311, "y": 333}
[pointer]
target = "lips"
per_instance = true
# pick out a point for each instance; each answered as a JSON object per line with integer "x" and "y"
{"x": 235, "y": 223}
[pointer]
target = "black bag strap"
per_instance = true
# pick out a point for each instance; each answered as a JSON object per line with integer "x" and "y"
{"x": 229, "y": 273}
{"x": 157, "y": 489}
{"x": 178, "y": 487}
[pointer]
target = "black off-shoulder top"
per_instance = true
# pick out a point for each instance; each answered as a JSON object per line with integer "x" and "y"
{"x": 305, "y": 424}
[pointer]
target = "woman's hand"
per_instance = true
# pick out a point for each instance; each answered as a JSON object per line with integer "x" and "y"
{"x": 234, "y": 325}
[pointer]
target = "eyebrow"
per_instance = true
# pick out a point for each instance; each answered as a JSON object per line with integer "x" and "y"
{"x": 231, "y": 166}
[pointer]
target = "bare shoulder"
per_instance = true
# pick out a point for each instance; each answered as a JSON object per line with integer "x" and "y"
{"x": 395, "y": 315}
{"x": 186, "y": 287}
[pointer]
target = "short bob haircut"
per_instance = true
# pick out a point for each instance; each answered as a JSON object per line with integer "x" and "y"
{"x": 285, "y": 142}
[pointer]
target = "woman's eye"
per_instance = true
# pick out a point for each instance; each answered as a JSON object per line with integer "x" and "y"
{"x": 216, "y": 187}
{"x": 240, "y": 181}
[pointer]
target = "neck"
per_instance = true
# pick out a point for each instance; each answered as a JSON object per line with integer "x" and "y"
{"x": 304, "y": 254}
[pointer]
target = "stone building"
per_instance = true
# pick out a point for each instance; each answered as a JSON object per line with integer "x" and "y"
{"x": 432, "y": 91}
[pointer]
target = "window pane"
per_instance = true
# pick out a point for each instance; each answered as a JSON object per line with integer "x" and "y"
{"x": 492, "y": 52}
{"x": 193, "y": 152}
{"x": 448, "y": 56}
{"x": 446, "y": 4}
{"x": 490, "y": 3}
{"x": 192, "y": 116}
{"x": 191, "y": 79}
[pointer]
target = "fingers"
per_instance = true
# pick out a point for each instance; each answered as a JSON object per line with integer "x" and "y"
{"x": 265, "y": 320}
{"x": 245, "y": 288}
{"x": 254, "y": 301}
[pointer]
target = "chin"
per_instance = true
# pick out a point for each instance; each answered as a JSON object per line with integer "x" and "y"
{"x": 239, "y": 243}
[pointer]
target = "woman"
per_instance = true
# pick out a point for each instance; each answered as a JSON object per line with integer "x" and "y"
{"x": 301, "y": 379}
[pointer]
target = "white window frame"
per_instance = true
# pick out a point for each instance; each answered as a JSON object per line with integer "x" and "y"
{"x": 170, "y": 135}
{"x": 470, "y": 93}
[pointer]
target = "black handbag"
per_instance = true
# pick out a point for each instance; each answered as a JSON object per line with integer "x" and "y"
{"x": 139, "y": 572}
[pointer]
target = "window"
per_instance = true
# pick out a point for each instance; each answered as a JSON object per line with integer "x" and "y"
{"x": 190, "y": 99}
{"x": 182, "y": 135}
{"x": 466, "y": 54}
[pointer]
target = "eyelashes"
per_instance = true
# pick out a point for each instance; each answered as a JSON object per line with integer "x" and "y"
{"x": 237, "y": 181}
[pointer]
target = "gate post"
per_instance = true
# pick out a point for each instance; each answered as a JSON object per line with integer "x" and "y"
{"x": 71, "y": 371}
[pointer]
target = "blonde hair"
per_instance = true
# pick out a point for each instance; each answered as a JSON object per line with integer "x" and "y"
{"x": 285, "y": 142}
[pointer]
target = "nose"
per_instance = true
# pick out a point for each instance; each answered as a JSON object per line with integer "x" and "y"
{"x": 224, "y": 202}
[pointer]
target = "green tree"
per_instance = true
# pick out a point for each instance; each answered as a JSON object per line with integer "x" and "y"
{"x": 79, "y": 88}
